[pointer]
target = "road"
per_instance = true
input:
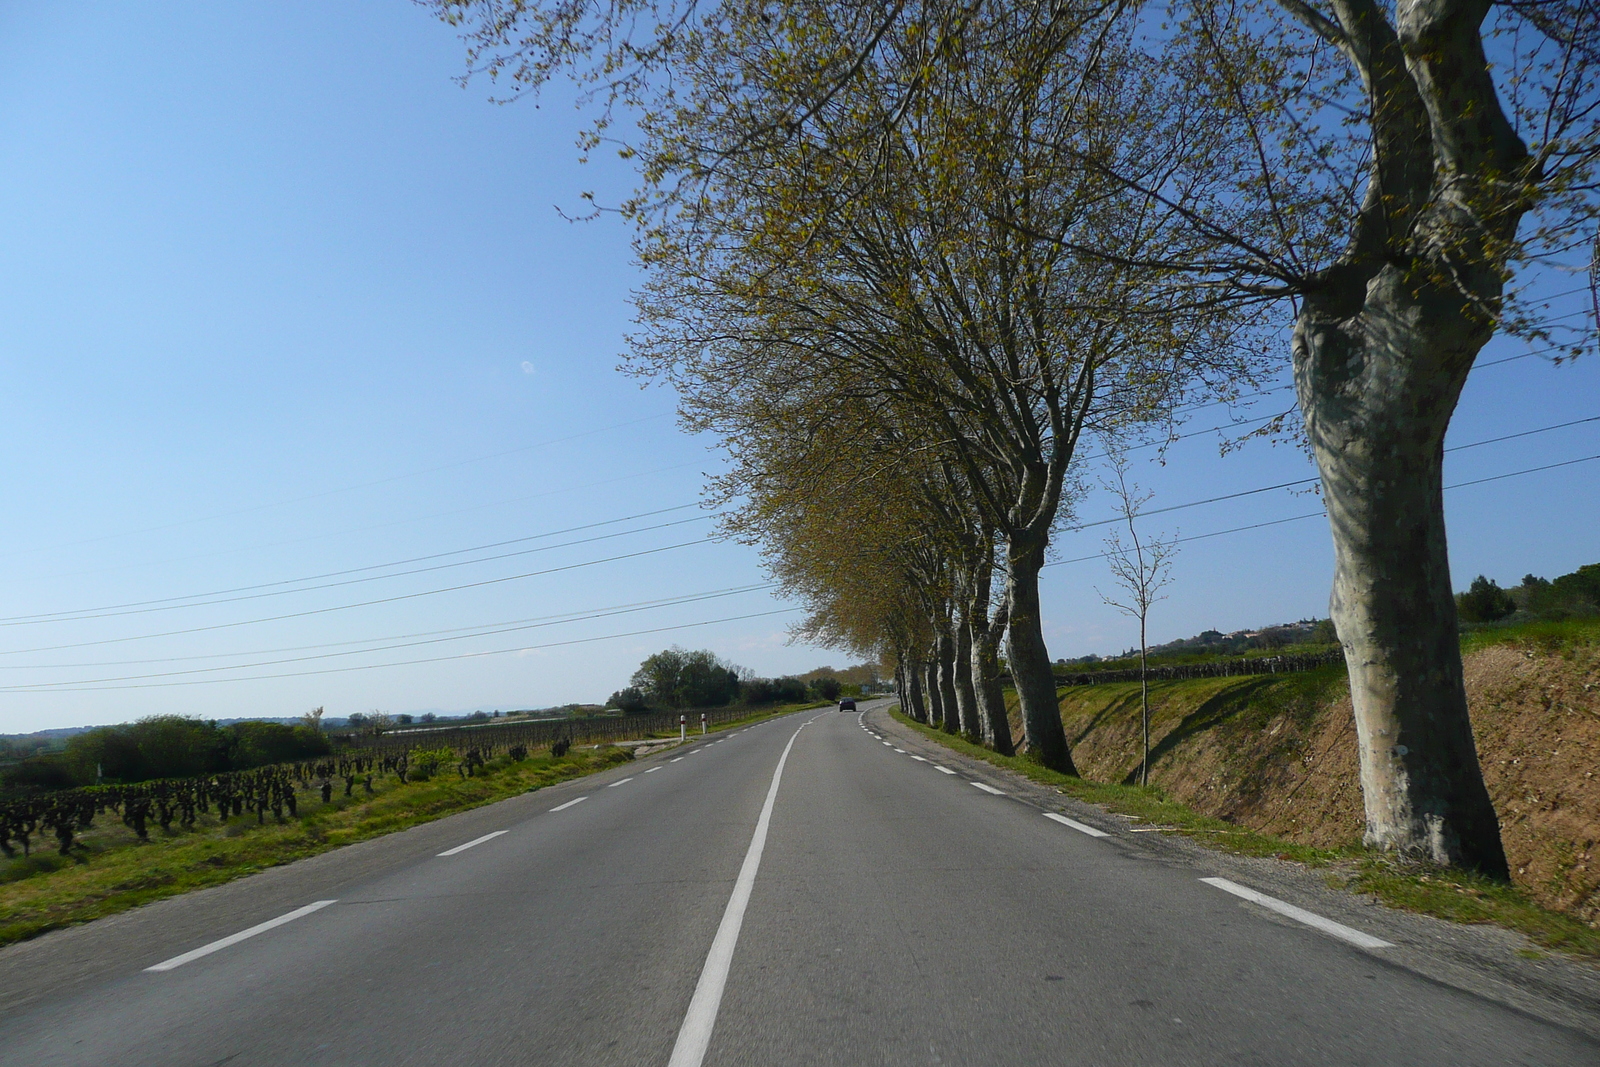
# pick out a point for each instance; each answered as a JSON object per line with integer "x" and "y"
{"x": 894, "y": 912}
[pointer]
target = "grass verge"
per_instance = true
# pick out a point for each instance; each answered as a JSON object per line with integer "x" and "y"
{"x": 120, "y": 872}
{"x": 1445, "y": 894}
{"x": 117, "y": 872}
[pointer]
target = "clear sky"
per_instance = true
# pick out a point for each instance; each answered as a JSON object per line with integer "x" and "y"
{"x": 281, "y": 300}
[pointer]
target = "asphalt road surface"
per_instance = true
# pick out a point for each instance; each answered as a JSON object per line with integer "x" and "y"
{"x": 870, "y": 905}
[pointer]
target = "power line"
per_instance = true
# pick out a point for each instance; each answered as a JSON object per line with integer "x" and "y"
{"x": 1321, "y": 514}
{"x": 361, "y": 604}
{"x": 465, "y": 631}
{"x": 350, "y": 488}
{"x": 1312, "y": 480}
{"x": 40, "y": 687}
{"x": 91, "y": 685}
{"x": 414, "y": 662}
{"x": 385, "y": 525}
{"x": 171, "y": 602}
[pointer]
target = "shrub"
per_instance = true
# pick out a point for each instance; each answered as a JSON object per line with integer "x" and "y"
{"x": 425, "y": 762}
{"x": 827, "y": 688}
{"x": 631, "y": 700}
{"x": 1484, "y": 601}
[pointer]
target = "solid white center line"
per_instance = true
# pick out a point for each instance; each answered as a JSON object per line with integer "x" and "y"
{"x": 568, "y": 804}
{"x": 943, "y": 770}
{"x": 695, "y": 1034}
{"x": 234, "y": 939}
{"x": 1300, "y": 915}
{"x": 624, "y": 781}
{"x": 469, "y": 844}
{"x": 988, "y": 789}
{"x": 652, "y": 770}
{"x": 1082, "y": 828}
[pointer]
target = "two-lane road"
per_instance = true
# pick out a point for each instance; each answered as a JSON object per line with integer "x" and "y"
{"x": 901, "y": 911}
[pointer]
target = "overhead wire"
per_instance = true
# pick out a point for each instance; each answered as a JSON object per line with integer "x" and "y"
{"x": 51, "y": 686}
{"x": 360, "y": 604}
{"x": 464, "y": 631}
{"x": 351, "y": 488}
{"x": 89, "y": 685}
{"x": 115, "y": 609}
{"x": 414, "y": 662}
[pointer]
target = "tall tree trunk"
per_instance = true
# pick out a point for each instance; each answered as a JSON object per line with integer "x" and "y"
{"x": 1030, "y": 659}
{"x": 1382, "y": 346}
{"x": 1378, "y": 391}
{"x": 986, "y": 635}
{"x": 947, "y": 685}
{"x": 916, "y": 708}
{"x": 986, "y": 677}
{"x": 931, "y": 684}
{"x": 966, "y": 695}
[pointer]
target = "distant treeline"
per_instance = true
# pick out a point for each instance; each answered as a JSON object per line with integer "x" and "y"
{"x": 1571, "y": 596}
{"x": 163, "y": 746}
{"x": 677, "y": 678}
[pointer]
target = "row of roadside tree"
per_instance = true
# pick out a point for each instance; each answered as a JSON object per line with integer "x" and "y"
{"x": 915, "y": 265}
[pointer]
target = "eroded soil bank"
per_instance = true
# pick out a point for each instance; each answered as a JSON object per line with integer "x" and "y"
{"x": 1278, "y": 755}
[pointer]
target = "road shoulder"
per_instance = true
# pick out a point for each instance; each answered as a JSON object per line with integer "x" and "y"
{"x": 1487, "y": 961}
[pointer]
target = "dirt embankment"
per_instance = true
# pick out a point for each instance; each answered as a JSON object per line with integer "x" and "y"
{"x": 1279, "y": 755}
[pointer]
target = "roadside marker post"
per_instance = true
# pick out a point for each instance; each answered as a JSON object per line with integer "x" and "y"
{"x": 702, "y": 722}
{"x": 683, "y": 728}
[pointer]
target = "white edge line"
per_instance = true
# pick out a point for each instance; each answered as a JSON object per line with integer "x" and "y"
{"x": 1082, "y": 828}
{"x": 694, "y": 1036}
{"x": 919, "y": 759}
{"x": 652, "y": 770}
{"x": 945, "y": 770}
{"x": 1300, "y": 915}
{"x": 469, "y": 844}
{"x": 675, "y": 759}
{"x": 988, "y": 789}
{"x": 568, "y": 804}
{"x": 234, "y": 939}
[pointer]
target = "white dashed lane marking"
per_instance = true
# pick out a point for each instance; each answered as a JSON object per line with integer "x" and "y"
{"x": 919, "y": 759}
{"x": 652, "y": 770}
{"x": 242, "y": 935}
{"x": 1300, "y": 915}
{"x": 991, "y": 790}
{"x": 568, "y": 804}
{"x": 470, "y": 844}
{"x": 943, "y": 770}
{"x": 624, "y": 781}
{"x": 1082, "y": 828}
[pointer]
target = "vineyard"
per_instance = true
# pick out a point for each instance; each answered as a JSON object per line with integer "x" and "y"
{"x": 495, "y": 738}
{"x": 61, "y": 816}
{"x": 1217, "y": 669}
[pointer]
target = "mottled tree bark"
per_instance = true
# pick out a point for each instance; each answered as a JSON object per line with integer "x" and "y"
{"x": 915, "y": 708}
{"x": 930, "y": 677}
{"x": 1030, "y": 659}
{"x": 984, "y": 635}
{"x": 1382, "y": 347}
{"x": 966, "y": 695}
{"x": 948, "y": 704}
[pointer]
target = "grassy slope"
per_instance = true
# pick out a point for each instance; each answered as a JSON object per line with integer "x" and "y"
{"x": 118, "y": 872}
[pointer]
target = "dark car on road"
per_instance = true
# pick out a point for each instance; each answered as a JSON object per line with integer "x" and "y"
{"x": 847, "y": 704}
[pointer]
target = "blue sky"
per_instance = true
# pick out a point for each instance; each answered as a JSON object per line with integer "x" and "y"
{"x": 280, "y": 299}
